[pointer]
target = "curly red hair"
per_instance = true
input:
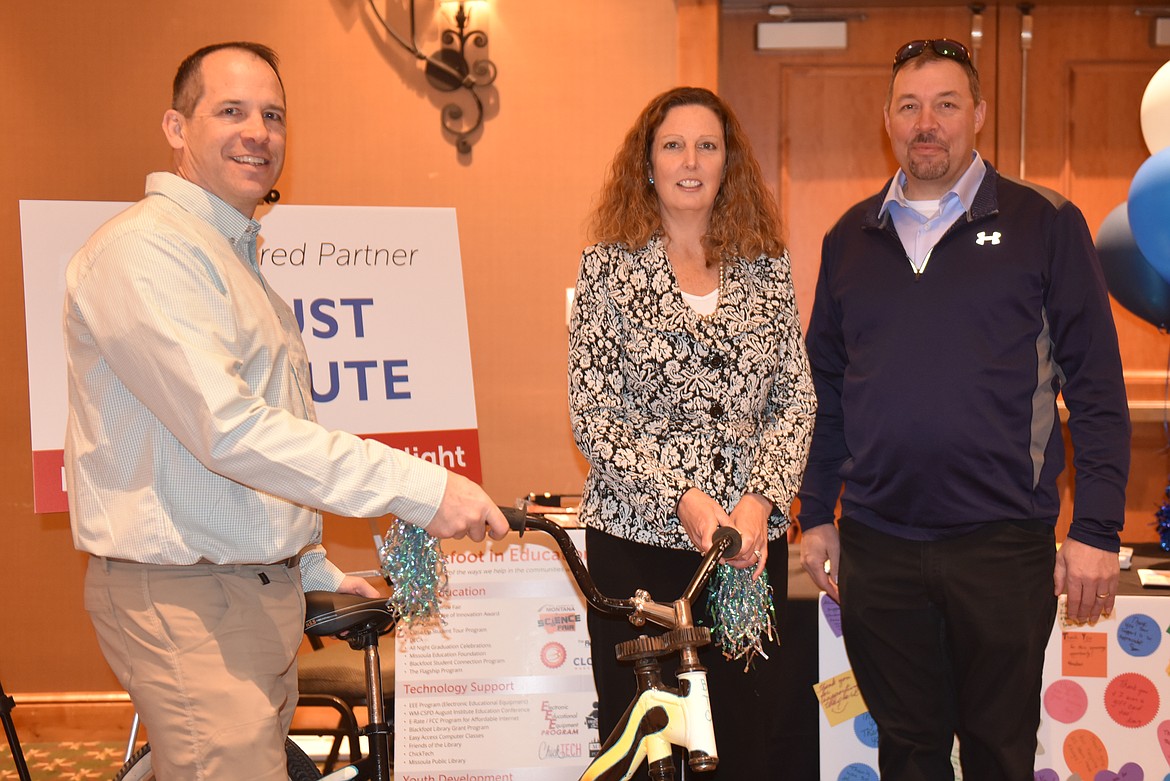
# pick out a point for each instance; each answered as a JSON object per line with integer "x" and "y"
{"x": 745, "y": 220}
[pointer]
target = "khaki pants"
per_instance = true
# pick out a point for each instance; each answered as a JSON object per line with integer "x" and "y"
{"x": 208, "y": 655}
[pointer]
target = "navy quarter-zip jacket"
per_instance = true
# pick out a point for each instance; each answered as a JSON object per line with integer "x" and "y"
{"x": 937, "y": 394}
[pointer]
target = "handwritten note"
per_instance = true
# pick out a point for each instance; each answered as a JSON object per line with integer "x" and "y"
{"x": 1139, "y": 635}
{"x": 832, "y": 613}
{"x": 1066, "y": 701}
{"x": 1131, "y": 699}
{"x": 1084, "y": 654}
{"x": 1085, "y": 754}
{"x": 840, "y": 698}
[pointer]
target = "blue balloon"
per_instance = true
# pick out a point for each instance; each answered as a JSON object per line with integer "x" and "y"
{"x": 1149, "y": 211}
{"x": 1131, "y": 279}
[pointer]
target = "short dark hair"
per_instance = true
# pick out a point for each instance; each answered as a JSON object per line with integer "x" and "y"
{"x": 188, "y": 85}
{"x": 930, "y": 55}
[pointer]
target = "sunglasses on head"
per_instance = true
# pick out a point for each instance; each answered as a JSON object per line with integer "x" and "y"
{"x": 944, "y": 47}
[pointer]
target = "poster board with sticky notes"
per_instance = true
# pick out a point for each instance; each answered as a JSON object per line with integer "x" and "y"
{"x": 1105, "y": 705}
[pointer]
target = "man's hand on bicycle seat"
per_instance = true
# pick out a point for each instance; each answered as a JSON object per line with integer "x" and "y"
{"x": 351, "y": 584}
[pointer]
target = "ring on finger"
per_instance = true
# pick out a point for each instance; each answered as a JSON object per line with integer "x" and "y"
{"x": 756, "y": 553}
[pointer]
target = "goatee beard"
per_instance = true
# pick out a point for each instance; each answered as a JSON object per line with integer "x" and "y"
{"x": 929, "y": 171}
{"x": 931, "y": 168}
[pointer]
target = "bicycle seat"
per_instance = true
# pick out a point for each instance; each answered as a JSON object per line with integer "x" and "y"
{"x": 330, "y": 613}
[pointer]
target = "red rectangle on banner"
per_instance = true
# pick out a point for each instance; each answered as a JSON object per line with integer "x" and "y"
{"x": 457, "y": 450}
{"x": 49, "y": 482}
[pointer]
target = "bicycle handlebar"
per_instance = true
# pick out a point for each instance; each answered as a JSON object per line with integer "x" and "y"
{"x": 725, "y": 543}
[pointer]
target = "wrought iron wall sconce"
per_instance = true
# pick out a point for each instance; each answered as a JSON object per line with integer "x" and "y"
{"x": 450, "y": 69}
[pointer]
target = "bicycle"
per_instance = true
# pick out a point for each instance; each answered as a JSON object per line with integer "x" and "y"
{"x": 300, "y": 766}
{"x": 138, "y": 766}
{"x": 360, "y": 621}
{"x": 659, "y": 717}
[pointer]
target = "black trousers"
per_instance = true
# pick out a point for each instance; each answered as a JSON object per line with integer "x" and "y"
{"x": 947, "y": 639}
{"x": 744, "y": 705}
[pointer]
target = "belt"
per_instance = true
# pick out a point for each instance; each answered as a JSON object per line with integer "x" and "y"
{"x": 288, "y": 563}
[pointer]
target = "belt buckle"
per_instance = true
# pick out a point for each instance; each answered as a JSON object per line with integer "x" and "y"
{"x": 292, "y": 561}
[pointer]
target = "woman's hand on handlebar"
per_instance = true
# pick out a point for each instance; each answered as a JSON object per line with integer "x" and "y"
{"x": 701, "y": 516}
{"x": 750, "y": 518}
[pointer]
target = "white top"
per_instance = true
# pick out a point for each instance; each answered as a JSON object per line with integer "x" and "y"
{"x": 705, "y": 304}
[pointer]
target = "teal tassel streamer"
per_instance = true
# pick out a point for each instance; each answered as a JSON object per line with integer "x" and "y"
{"x": 413, "y": 562}
{"x": 742, "y": 611}
{"x": 1162, "y": 519}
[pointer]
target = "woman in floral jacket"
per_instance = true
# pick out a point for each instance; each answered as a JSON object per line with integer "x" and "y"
{"x": 689, "y": 393}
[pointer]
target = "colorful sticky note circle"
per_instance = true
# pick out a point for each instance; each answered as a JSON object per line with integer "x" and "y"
{"x": 1139, "y": 635}
{"x": 865, "y": 728}
{"x": 1164, "y": 739}
{"x": 1130, "y": 771}
{"x": 1085, "y": 754}
{"x": 1131, "y": 699}
{"x": 858, "y": 771}
{"x": 1065, "y": 701}
{"x": 832, "y": 612}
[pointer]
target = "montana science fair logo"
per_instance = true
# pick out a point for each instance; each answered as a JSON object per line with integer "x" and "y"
{"x": 558, "y": 618}
{"x": 553, "y": 655}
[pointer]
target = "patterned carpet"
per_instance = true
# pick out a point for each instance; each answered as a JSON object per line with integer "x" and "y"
{"x": 64, "y": 761}
{"x": 96, "y": 760}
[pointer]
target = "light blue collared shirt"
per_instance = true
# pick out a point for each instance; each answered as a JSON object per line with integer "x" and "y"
{"x": 920, "y": 233}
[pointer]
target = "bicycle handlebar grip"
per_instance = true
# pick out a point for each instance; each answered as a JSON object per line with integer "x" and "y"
{"x": 734, "y": 540}
{"x": 516, "y": 518}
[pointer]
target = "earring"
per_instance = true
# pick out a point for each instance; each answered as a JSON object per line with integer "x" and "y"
{"x": 651, "y": 178}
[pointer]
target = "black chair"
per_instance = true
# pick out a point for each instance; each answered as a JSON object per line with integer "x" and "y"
{"x": 6, "y": 706}
{"x": 333, "y": 676}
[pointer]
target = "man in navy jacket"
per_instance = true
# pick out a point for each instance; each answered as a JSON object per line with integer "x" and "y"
{"x": 951, "y": 310}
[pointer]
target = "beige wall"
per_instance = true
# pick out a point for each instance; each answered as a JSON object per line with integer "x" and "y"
{"x": 84, "y": 86}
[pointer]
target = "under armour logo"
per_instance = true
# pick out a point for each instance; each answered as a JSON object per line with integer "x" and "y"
{"x": 983, "y": 238}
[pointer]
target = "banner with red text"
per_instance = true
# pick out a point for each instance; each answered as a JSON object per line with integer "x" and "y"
{"x": 503, "y": 689}
{"x": 379, "y": 296}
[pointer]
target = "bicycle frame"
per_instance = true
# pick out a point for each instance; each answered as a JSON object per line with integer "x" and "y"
{"x": 660, "y": 716}
{"x": 656, "y": 721}
{"x": 359, "y": 621}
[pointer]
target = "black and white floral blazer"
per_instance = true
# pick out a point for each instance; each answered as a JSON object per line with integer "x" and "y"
{"x": 663, "y": 399}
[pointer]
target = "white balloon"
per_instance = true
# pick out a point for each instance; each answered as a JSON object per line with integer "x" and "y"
{"x": 1156, "y": 111}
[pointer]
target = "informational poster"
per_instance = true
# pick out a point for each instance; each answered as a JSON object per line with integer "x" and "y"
{"x": 379, "y": 296}
{"x": 503, "y": 690}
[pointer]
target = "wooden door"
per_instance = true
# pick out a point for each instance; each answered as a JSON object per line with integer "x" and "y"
{"x": 815, "y": 120}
